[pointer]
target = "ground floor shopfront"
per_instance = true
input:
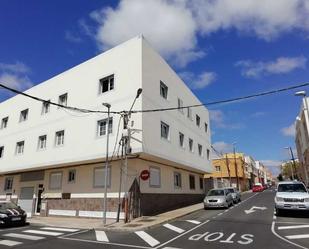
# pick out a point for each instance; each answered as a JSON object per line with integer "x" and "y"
{"x": 78, "y": 190}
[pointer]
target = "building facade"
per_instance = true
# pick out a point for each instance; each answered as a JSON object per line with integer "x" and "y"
{"x": 302, "y": 141}
{"x": 52, "y": 159}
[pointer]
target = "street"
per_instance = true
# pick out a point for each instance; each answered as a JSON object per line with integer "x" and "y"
{"x": 249, "y": 224}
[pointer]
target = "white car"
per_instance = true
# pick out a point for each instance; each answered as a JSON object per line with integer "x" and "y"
{"x": 292, "y": 195}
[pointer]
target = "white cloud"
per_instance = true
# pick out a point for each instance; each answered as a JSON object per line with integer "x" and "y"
{"x": 69, "y": 36}
{"x": 271, "y": 163}
{"x": 15, "y": 75}
{"x": 17, "y": 67}
{"x": 279, "y": 66}
{"x": 198, "y": 81}
{"x": 258, "y": 114}
{"x": 218, "y": 120}
{"x": 264, "y": 18}
{"x": 168, "y": 25}
{"x": 289, "y": 131}
{"x": 223, "y": 147}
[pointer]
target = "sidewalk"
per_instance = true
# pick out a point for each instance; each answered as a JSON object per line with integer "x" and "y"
{"x": 142, "y": 223}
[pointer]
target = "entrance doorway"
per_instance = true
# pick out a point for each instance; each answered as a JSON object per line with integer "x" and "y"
{"x": 39, "y": 199}
{"x": 26, "y": 199}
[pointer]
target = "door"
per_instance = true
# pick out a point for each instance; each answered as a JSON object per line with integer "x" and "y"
{"x": 39, "y": 199}
{"x": 26, "y": 200}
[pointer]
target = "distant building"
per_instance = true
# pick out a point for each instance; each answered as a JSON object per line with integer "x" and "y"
{"x": 52, "y": 160}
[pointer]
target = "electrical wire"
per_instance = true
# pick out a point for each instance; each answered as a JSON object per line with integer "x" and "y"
{"x": 225, "y": 100}
{"x": 53, "y": 103}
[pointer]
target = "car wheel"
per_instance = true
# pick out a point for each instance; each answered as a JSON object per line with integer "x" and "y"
{"x": 278, "y": 212}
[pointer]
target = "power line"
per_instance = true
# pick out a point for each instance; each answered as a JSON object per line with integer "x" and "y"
{"x": 226, "y": 100}
{"x": 53, "y": 103}
{"x": 159, "y": 109}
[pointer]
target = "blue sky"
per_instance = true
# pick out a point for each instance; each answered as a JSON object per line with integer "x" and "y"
{"x": 221, "y": 49}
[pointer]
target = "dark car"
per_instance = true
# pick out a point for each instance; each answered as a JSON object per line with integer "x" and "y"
{"x": 235, "y": 194}
{"x": 11, "y": 214}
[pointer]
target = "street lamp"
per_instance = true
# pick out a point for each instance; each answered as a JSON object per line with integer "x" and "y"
{"x": 236, "y": 166}
{"x": 303, "y": 94}
{"x": 108, "y": 106}
{"x": 293, "y": 160}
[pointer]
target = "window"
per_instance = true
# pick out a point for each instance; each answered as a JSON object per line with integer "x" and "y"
{"x": 1, "y": 151}
{"x": 198, "y": 120}
{"x": 63, "y": 99}
{"x": 42, "y": 142}
{"x": 163, "y": 90}
{"x": 23, "y": 115}
{"x": 4, "y": 122}
{"x": 107, "y": 84}
{"x": 71, "y": 176}
{"x": 218, "y": 168}
{"x": 201, "y": 183}
{"x": 189, "y": 113}
{"x": 59, "y": 138}
{"x": 155, "y": 177}
{"x": 208, "y": 154}
{"x": 190, "y": 144}
{"x": 181, "y": 139}
{"x": 55, "y": 180}
{"x": 180, "y": 105}
{"x": 200, "y": 150}
{"x": 20, "y": 147}
{"x": 101, "y": 130}
{"x": 8, "y": 184}
{"x": 177, "y": 179}
{"x": 45, "y": 107}
{"x": 206, "y": 127}
{"x": 192, "y": 181}
{"x": 165, "y": 129}
{"x": 99, "y": 177}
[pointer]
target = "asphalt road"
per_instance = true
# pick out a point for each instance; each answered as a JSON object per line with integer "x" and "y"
{"x": 249, "y": 224}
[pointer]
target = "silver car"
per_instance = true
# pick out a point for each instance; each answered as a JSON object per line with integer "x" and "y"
{"x": 235, "y": 194}
{"x": 217, "y": 198}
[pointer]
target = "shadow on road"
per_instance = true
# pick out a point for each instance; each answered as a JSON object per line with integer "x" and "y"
{"x": 294, "y": 214}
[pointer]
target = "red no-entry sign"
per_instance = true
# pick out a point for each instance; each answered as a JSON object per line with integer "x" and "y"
{"x": 145, "y": 174}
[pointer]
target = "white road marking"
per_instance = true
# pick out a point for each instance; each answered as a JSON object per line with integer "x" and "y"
{"x": 9, "y": 242}
{"x": 23, "y": 236}
{"x": 176, "y": 229}
{"x": 292, "y": 227}
{"x": 220, "y": 214}
{"x": 274, "y": 217}
{"x": 280, "y": 237}
{"x": 194, "y": 221}
{"x": 168, "y": 247}
{"x": 60, "y": 229}
{"x": 298, "y": 236}
{"x": 101, "y": 236}
{"x": 147, "y": 238}
{"x": 43, "y": 232}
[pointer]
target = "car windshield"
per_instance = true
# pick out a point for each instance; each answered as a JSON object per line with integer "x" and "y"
{"x": 215, "y": 192}
{"x": 6, "y": 205}
{"x": 230, "y": 190}
{"x": 291, "y": 188}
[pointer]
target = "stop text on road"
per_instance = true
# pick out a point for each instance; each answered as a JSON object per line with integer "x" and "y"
{"x": 243, "y": 239}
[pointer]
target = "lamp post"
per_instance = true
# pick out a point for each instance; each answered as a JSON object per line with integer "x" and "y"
{"x": 293, "y": 160}
{"x": 236, "y": 166}
{"x": 108, "y": 106}
{"x": 304, "y": 95}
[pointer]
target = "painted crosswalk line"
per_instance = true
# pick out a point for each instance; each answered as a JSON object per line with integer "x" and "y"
{"x": 23, "y": 236}
{"x": 101, "y": 236}
{"x": 60, "y": 229}
{"x": 174, "y": 228}
{"x": 147, "y": 238}
{"x": 292, "y": 227}
{"x": 43, "y": 232}
{"x": 9, "y": 242}
{"x": 298, "y": 236}
{"x": 194, "y": 222}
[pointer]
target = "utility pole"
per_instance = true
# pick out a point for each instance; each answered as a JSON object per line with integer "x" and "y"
{"x": 293, "y": 161}
{"x": 108, "y": 106}
{"x": 120, "y": 179}
{"x": 236, "y": 167}
{"x": 228, "y": 169}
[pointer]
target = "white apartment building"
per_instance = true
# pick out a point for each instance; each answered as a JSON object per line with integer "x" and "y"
{"x": 52, "y": 159}
{"x": 302, "y": 141}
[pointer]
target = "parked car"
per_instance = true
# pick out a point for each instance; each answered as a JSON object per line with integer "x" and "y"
{"x": 11, "y": 214}
{"x": 218, "y": 197}
{"x": 291, "y": 195}
{"x": 258, "y": 187}
{"x": 235, "y": 194}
